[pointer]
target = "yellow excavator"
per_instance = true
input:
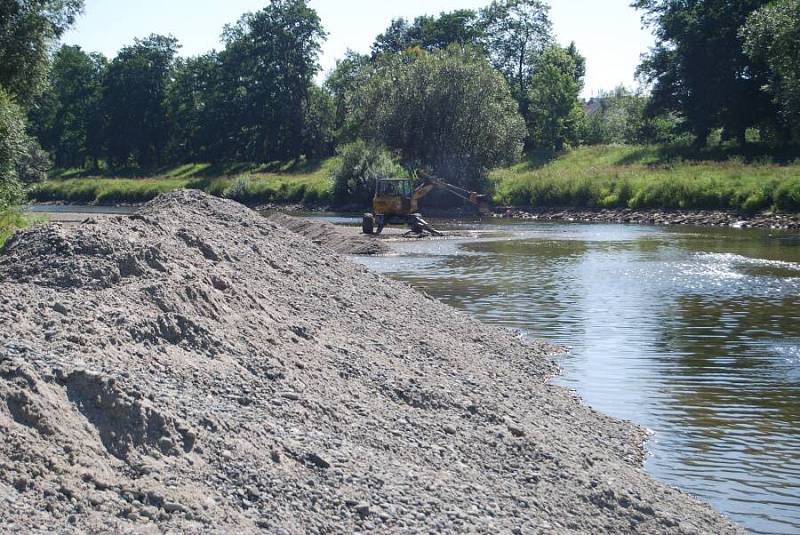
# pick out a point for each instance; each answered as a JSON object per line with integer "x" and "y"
{"x": 396, "y": 201}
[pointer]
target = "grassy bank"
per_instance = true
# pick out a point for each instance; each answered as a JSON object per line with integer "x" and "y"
{"x": 588, "y": 177}
{"x": 650, "y": 177}
{"x": 297, "y": 181}
{"x": 13, "y": 219}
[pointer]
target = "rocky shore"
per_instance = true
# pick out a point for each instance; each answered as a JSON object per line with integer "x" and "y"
{"x": 195, "y": 367}
{"x": 775, "y": 221}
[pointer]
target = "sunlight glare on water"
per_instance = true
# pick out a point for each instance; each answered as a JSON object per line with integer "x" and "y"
{"x": 692, "y": 333}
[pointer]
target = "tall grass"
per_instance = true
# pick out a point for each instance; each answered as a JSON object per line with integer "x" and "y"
{"x": 12, "y": 219}
{"x": 648, "y": 177}
{"x": 306, "y": 182}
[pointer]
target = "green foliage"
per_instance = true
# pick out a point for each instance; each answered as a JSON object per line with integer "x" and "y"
{"x": 430, "y": 33}
{"x": 67, "y": 117}
{"x": 698, "y": 67}
{"x": 307, "y": 182}
{"x": 267, "y": 67}
{"x": 27, "y": 31}
{"x": 620, "y": 117}
{"x": 11, "y": 219}
{"x": 555, "y": 117}
{"x": 772, "y": 40}
{"x": 358, "y": 166}
{"x": 13, "y": 142}
{"x": 647, "y": 177}
{"x": 239, "y": 189}
{"x": 516, "y": 32}
{"x": 134, "y": 91}
{"x": 448, "y": 111}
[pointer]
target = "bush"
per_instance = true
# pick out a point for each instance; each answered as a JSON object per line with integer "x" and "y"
{"x": 359, "y": 165}
{"x": 239, "y": 189}
{"x": 12, "y": 148}
{"x": 449, "y": 111}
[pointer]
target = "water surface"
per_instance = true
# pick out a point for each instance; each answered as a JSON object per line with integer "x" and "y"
{"x": 693, "y": 333}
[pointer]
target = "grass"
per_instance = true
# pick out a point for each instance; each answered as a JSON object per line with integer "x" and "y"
{"x": 284, "y": 182}
{"x": 12, "y": 219}
{"x": 651, "y": 177}
{"x": 635, "y": 177}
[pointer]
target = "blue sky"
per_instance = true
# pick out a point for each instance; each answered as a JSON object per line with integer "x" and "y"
{"x": 608, "y": 32}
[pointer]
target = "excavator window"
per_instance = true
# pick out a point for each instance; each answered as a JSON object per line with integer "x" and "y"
{"x": 392, "y": 188}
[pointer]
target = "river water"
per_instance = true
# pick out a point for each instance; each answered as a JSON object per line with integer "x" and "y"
{"x": 692, "y": 333}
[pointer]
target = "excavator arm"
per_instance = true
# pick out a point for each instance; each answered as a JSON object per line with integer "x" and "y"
{"x": 479, "y": 200}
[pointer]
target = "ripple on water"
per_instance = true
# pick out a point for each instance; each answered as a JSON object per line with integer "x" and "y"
{"x": 694, "y": 334}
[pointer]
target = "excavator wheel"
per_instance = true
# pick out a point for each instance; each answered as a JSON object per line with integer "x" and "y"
{"x": 368, "y": 224}
{"x": 381, "y": 222}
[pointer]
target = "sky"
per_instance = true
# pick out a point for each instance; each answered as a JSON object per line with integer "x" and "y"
{"x": 608, "y": 32}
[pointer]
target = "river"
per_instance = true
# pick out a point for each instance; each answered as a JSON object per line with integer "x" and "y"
{"x": 693, "y": 333}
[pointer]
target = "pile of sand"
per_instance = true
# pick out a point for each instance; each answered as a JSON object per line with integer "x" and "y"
{"x": 197, "y": 367}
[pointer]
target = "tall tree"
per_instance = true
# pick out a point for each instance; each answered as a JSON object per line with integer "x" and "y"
{"x": 698, "y": 67}
{"x": 66, "y": 118}
{"x": 28, "y": 28}
{"x": 430, "y": 33}
{"x": 134, "y": 91}
{"x": 772, "y": 39}
{"x": 342, "y": 82}
{"x": 516, "y": 33}
{"x": 556, "y": 115}
{"x": 194, "y": 106}
{"x": 269, "y": 63}
{"x": 449, "y": 111}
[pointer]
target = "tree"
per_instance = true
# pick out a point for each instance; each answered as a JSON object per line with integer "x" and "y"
{"x": 134, "y": 91}
{"x": 449, "y": 111}
{"x": 698, "y": 68}
{"x": 430, "y": 33}
{"x": 28, "y": 28}
{"x": 12, "y": 149}
{"x": 556, "y": 115}
{"x": 66, "y": 118}
{"x": 516, "y": 33}
{"x": 620, "y": 117}
{"x": 193, "y": 105}
{"x": 269, "y": 63}
{"x": 772, "y": 40}
{"x": 342, "y": 82}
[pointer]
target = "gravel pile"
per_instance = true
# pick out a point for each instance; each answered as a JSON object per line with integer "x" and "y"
{"x": 196, "y": 367}
{"x": 339, "y": 239}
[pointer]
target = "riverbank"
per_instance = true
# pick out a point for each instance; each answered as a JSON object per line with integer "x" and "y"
{"x": 651, "y": 177}
{"x": 195, "y": 366}
{"x": 700, "y": 218}
{"x": 300, "y": 181}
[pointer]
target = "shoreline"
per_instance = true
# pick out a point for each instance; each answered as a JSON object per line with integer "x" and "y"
{"x": 658, "y": 217}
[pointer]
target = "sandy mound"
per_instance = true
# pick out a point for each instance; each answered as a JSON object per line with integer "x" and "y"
{"x": 195, "y": 367}
{"x": 340, "y": 240}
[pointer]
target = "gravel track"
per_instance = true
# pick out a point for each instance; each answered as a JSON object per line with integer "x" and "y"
{"x": 196, "y": 367}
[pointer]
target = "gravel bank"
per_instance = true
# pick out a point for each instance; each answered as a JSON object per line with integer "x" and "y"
{"x": 196, "y": 367}
{"x": 336, "y": 238}
{"x": 659, "y": 217}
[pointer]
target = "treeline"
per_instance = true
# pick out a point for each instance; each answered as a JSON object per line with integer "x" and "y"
{"x": 726, "y": 66}
{"x": 455, "y": 94}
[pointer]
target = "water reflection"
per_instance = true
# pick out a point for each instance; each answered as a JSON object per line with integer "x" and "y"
{"x": 692, "y": 333}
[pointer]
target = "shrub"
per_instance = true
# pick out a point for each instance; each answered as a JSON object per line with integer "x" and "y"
{"x": 359, "y": 165}
{"x": 239, "y": 189}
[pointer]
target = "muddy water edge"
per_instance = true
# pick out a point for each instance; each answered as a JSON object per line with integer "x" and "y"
{"x": 691, "y": 332}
